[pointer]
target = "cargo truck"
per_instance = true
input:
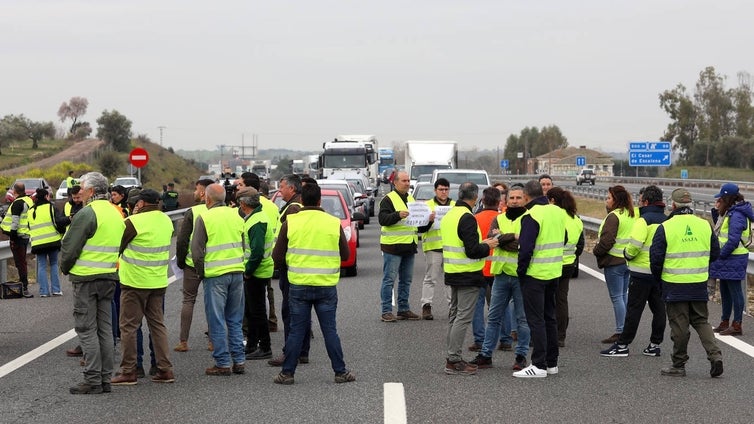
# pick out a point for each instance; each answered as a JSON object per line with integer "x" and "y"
{"x": 424, "y": 156}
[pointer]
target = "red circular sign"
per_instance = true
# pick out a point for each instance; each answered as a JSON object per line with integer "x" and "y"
{"x": 138, "y": 157}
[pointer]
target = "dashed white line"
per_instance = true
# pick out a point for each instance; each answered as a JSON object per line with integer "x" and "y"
{"x": 394, "y": 404}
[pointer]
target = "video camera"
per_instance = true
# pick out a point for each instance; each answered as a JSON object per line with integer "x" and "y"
{"x": 230, "y": 187}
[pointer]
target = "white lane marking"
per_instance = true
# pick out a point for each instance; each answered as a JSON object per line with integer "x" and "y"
{"x": 731, "y": 341}
{"x": 394, "y": 404}
{"x": 41, "y": 350}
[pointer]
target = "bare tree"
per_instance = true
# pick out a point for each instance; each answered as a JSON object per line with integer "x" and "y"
{"x": 74, "y": 109}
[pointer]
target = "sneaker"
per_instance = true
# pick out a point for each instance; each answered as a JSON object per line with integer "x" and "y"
{"x": 427, "y": 312}
{"x": 716, "y": 369}
{"x": 651, "y": 350}
{"x": 283, "y": 378}
{"x": 26, "y": 294}
{"x": 388, "y": 317}
{"x": 505, "y": 347}
{"x": 482, "y": 361}
{"x": 460, "y": 367}
{"x": 259, "y": 354}
{"x": 612, "y": 339}
{"x": 676, "y": 372}
{"x": 408, "y": 315}
{"x": 181, "y": 347}
{"x": 520, "y": 363}
{"x": 345, "y": 377}
{"x": 44, "y": 295}
{"x": 140, "y": 372}
{"x": 224, "y": 371}
{"x": 86, "y": 389}
{"x": 615, "y": 351}
{"x": 58, "y": 294}
{"x": 476, "y": 347}
{"x": 163, "y": 377}
{"x": 531, "y": 372}
{"x": 238, "y": 369}
{"x": 124, "y": 379}
{"x": 552, "y": 370}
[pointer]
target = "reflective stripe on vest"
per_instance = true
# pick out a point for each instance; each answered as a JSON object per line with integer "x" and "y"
{"x": 41, "y": 229}
{"x": 432, "y": 240}
{"x": 23, "y": 219}
{"x": 625, "y": 223}
{"x": 100, "y": 252}
{"x": 723, "y": 236}
{"x": 224, "y": 251}
{"x": 313, "y": 255}
{"x": 574, "y": 228}
{"x": 639, "y": 244}
{"x": 454, "y": 259}
{"x": 265, "y": 268}
{"x": 688, "y": 249}
{"x": 398, "y": 233}
{"x": 504, "y": 261}
{"x": 195, "y": 212}
{"x": 144, "y": 262}
{"x": 547, "y": 258}
{"x": 273, "y": 215}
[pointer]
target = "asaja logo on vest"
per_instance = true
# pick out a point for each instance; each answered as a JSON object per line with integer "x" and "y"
{"x": 689, "y": 235}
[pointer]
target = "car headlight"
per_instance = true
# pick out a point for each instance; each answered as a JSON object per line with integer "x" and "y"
{"x": 347, "y": 230}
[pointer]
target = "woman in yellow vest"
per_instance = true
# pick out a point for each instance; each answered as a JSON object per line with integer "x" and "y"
{"x": 614, "y": 235}
{"x": 44, "y": 221}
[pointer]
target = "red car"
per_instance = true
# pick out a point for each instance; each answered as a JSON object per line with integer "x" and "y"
{"x": 31, "y": 185}
{"x": 334, "y": 204}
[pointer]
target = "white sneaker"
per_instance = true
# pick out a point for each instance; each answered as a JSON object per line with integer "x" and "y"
{"x": 552, "y": 370}
{"x": 530, "y": 372}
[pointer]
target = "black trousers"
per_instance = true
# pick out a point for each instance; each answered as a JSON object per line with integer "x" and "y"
{"x": 644, "y": 289}
{"x": 539, "y": 305}
{"x": 561, "y": 300}
{"x": 255, "y": 311}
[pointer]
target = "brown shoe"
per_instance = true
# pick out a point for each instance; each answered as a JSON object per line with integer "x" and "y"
{"x": 124, "y": 379}
{"x": 476, "y": 347}
{"x": 75, "y": 352}
{"x": 210, "y": 346}
{"x": 733, "y": 330}
{"x": 164, "y": 377}
{"x": 505, "y": 347}
{"x": 460, "y": 367}
{"x": 611, "y": 339}
{"x": 724, "y": 324}
{"x": 182, "y": 346}
{"x": 276, "y": 361}
{"x": 408, "y": 315}
{"x": 388, "y": 317}
{"x": 427, "y": 312}
{"x": 238, "y": 369}
{"x": 218, "y": 371}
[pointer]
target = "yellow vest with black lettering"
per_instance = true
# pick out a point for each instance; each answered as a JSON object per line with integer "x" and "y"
{"x": 224, "y": 252}
{"x": 144, "y": 262}
{"x": 625, "y": 223}
{"x": 547, "y": 259}
{"x": 723, "y": 236}
{"x": 41, "y": 228}
{"x": 23, "y": 219}
{"x": 313, "y": 255}
{"x": 100, "y": 252}
{"x": 574, "y": 228}
{"x": 639, "y": 244}
{"x": 196, "y": 210}
{"x": 454, "y": 259}
{"x": 504, "y": 261}
{"x": 398, "y": 233}
{"x": 688, "y": 249}
{"x": 432, "y": 240}
{"x": 265, "y": 268}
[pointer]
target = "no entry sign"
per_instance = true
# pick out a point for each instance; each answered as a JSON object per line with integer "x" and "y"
{"x": 138, "y": 157}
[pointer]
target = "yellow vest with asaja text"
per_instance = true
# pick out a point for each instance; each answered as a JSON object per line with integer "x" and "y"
{"x": 688, "y": 249}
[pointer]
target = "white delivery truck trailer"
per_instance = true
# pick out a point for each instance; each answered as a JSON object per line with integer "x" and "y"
{"x": 424, "y": 156}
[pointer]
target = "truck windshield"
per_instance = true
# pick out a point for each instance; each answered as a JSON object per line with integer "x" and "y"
{"x": 344, "y": 161}
{"x": 462, "y": 177}
{"x": 417, "y": 170}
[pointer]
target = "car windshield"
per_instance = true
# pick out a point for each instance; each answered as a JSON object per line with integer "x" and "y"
{"x": 31, "y": 183}
{"x": 125, "y": 181}
{"x": 462, "y": 177}
{"x": 424, "y": 192}
{"x": 333, "y": 206}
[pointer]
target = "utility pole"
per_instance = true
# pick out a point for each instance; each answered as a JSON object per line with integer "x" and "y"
{"x": 161, "y": 128}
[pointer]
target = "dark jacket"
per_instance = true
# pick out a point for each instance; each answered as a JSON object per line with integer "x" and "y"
{"x": 672, "y": 292}
{"x": 389, "y": 216}
{"x": 468, "y": 232}
{"x": 729, "y": 266}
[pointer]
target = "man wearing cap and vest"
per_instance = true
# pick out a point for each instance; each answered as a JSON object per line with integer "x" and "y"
{"x": 145, "y": 251}
{"x": 217, "y": 251}
{"x": 682, "y": 248}
{"x": 16, "y": 225}
{"x": 311, "y": 244}
{"x": 432, "y": 247}
{"x": 540, "y": 265}
{"x": 89, "y": 254}
{"x": 398, "y": 244}
{"x": 184, "y": 261}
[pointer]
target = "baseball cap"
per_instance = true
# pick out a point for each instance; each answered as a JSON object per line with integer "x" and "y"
{"x": 681, "y": 195}
{"x": 148, "y": 196}
{"x": 133, "y": 196}
{"x": 727, "y": 189}
{"x": 246, "y": 192}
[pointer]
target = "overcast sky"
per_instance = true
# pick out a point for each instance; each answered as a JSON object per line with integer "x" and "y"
{"x": 297, "y": 73}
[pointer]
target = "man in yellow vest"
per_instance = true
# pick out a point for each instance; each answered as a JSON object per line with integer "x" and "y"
{"x": 258, "y": 239}
{"x": 89, "y": 254}
{"x": 540, "y": 264}
{"x": 16, "y": 225}
{"x": 432, "y": 247}
{"x": 145, "y": 251}
{"x": 217, "y": 252}
{"x": 311, "y": 244}
{"x": 184, "y": 261}
{"x": 682, "y": 248}
{"x": 463, "y": 252}
{"x": 398, "y": 244}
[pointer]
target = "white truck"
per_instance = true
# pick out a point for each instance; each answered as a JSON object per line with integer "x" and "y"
{"x": 311, "y": 166}
{"x": 262, "y": 168}
{"x": 424, "y": 156}
{"x": 355, "y": 153}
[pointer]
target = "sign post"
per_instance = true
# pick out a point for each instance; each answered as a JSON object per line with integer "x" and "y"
{"x": 138, "y": 158}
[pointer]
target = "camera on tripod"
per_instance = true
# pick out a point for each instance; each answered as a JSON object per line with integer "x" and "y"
{"x": 230, "y": 187}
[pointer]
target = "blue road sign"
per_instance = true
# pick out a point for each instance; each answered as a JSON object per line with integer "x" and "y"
{"x": 580, "y": 161}
{"x": 685, "y": 174}
{"x": 649, "y": 158}
{"x": 504, "y": 163}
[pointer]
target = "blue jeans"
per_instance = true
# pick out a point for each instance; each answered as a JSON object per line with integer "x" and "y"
{"x": 732, "y": 296}
{"x": 399, "y": 268}
{"x": 325, "y": 303}
{"x": 505, "y": 289}
{"x": 49, "y": 257}
{"x": 223, "y": 304}
{"x": 477, "y": 322}
{"x": 507, "y": 326}
{"x": 617, "y": 278}
{"x": 285, "y": 311}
